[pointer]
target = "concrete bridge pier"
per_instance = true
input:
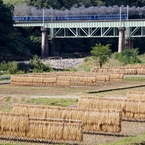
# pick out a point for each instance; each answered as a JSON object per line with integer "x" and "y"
{"x": 44, "y": 43}
{"x": 128, "y": 42}
{"x": 55, "y": 47}
{"x": 128, "y": 39}
{"x": 54, "y": 44}
{"x": 121, "y": 43}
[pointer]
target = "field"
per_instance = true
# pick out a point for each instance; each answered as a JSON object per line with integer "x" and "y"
{"x": 59, "y": 96}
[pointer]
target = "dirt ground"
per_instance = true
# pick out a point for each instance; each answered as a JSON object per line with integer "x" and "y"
{"x": 24, "y": 93}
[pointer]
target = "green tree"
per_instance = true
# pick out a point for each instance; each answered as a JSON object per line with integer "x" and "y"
{"x": 14, "y": 2}
{"x": 128, "y": 56}
{"x": 6, "y": 24}
{"x": 63, "y": 4}
{"x": 101, "y": 53}
{"x": 10, "y": 38}
{"x": 38, "y": 65}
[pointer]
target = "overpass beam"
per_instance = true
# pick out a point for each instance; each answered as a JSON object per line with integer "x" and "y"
{"x": 121, "y": 43}
{"x": 44, "y": 43}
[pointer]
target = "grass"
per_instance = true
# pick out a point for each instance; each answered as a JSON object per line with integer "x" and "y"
{"x": 53, "y": 101}
{"x": 7, "y": 103}
{"x": 89, "y": 63}
{"x": 134, "y": 79}
{"x": 139, "y": 140}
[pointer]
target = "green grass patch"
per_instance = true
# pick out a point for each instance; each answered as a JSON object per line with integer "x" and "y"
{"x": 8, "y": 109}
{"x": 134, "y": 79}
{"x": 138, "y": 140}
{"x": 53, "y": 101}
{"x": 8, "y": 99}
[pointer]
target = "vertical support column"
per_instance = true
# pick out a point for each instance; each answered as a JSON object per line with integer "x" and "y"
{"x": 44, "y": 45}
{"x": 55, "y": 47}
{"x": 128, "y": 42}
{"x": 54, "y": 51}
{"x": 121, "y": 43}
{"x": 128, "y": 39}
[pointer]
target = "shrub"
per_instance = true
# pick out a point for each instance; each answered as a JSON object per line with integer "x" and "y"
{"x": 12, "y": 67}
{"x": 38, "y": 66}
{"x": 128, "y": 56}
{"x": 8, "y": 67}
{"x": 3, "y": 66}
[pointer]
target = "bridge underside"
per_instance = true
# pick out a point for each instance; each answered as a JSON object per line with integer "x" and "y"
{"x": 108, "y": 32}
{"x": 75, "y": 29}
{"x": 97, "y": 29}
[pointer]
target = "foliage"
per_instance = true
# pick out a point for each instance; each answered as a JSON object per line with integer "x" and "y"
{"x": 65, "y": 4}
{"x": 128, "y": 56}
{"x": 10, "y": 38}
{"x": 13, "y": 67}
{"x": 3, "y": 66}
{"x": 14, "y": 2}
{"x": 137, "y": 140}
{"x": 38, "y": 66}
{"x": 10, "y": 67}
{"x": 101, "y": 53}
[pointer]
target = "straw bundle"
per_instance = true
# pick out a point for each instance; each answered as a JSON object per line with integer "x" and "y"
{"x": 19, "y": 108}
{"x": 55, "y": 130}
{"x": 90, "y": 117}
{"x": 61, "y": 79}
{"x": 37, "y": 80}
{"x": 15, "y": 125}
{"x": 104, "y": 79}
{"x": 28, "y": 80}
{"x": 107, "y": 121}
{"x": 116, "y": 77}
{"x": 37, "y": 112}
{"x": 63, "y": 83}
{"x": 130, "y": 71}
{"x": 135, "y": 109}
{"x": 140, "y": 71}
{"x": 50, "y": 80}
{"x": 135, "y": 95}
{"x": 13, "y": 79}
{"x": 101, "y": 103}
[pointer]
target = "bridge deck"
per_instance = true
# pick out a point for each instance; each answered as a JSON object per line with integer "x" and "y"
{"x": 71, "y": 29}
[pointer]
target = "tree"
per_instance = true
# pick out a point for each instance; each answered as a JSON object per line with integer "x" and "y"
{"x": 63, "y": 4}
{"x": 128, "y": 56}
{"x": 39, "y": 66}
{"x": 13, "y": 2}
{"x": 101, "y": 53}
{"x": 6, "y": 25}
{"x": 11, "y": 40}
